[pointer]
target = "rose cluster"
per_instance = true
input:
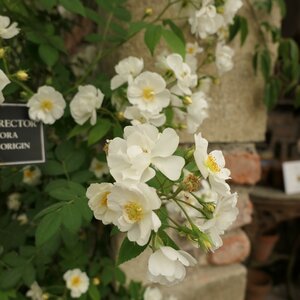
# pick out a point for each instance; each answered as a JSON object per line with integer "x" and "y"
{"x": 133, "y": 203}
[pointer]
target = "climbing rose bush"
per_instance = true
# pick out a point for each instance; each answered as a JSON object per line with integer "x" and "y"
{"x": 114, "y": 164}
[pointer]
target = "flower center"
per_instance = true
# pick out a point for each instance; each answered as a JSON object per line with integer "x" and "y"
{"x": 46, "y": 105}
{"x": 28, "y": 174}
{"x": 103, "y": 200}
{"x": 148, "y": 94}
{"x": 134, "y": 211}
{"x": 190, "y": 50}
{"x": 212, "y": 164}
{"x": 75, "y": 281}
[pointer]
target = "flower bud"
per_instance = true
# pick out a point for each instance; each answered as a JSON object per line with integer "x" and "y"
{"x": 96, "y": 281}
{"x": 120, "y": 116}
{"x": 187, "y": 100}
{"x": 45, "y": 296}
{"x": 22, "y": 75}
{"x": 2, "y": 52}
{"x": 148, "y": 11}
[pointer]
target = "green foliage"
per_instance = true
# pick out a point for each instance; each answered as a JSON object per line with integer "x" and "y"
{"x": 152, "y": 36}
{"x": 129, "y": 250}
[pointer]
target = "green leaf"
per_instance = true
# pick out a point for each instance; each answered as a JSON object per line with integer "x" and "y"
{"x": 71, "y": 217}
{"x": 9, "y": 278}
{"x": 54, "y": 184}
{"x": 28, "y": 274}
{"x": 85, "y": 211}
{"x": 129, "y": 250}
{"x": 167, "y": 240}
{"x": 47, "y": 228}
{"x": 74, "y": 6}
{"x": 48, "y": 54}
{"x": 271, "y": 94}
{"x": 120, "y": 276}
{"x": 265, "y": 64}
{"x": 152, "y": 36}
{"x": 53, "y": 167}
{"x": 94, "y": 292}
{"x": 48, "y": 4}
{"x": 78, "y": 129}
{"x": 175, "y": 29}
{"x": 98, "y": 131}
{"x": 174, "y": 42}
{"x": 64, "y": 150}
{"x": 135, "y": 27}
{"x": 6, "y": 295}
{"x": 75, "y": 160}
{"x": 244, "y": 29}
{"x": 82, "y": 176}
{"x": 234, "y": 28}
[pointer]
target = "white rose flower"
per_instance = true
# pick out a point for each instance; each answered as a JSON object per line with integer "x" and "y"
{"x": 206, "y": 21}
{"x": 35, "y": 292}
{"x": 13, "y": 201}
{"x": 182, "y": 72}
{"x": 4, "y": 81}
{"x": 134, "y": 203}
{"x": 99, "y": 168}
{"x": 85, "y": 103}
{"x": 212, "y": 165}
{"x": 224, "y": 55}
{"x": 224, "y": 215}
{"x": 148, "y": 92}
{"x": 141, "y": 117}
{"x": 196, "y": 111}
{"x": 76, "y": 281}
{"x": 31, "y": 175}
{"x": 130, "y": 158}
{"x": 230, "y": 9}
{"x": 98, "y": 193}
{"x": 47, "y": 105}
{"x": 152, "y": 294}
{"x": 167, "y": 265}
{"x": 127, "y": 69}
{"x": 8, "y": 31}
{"x": 192, "y": 49}
{"x": 196, "y": 108}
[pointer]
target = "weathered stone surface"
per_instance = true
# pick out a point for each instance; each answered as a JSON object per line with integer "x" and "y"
{"x": 237, "y": 113}
{"x": 202, "y": 282}
{"x": 211, "y": 283}
{"x": 236, "y": 248}
{"x": 244, "y": 206}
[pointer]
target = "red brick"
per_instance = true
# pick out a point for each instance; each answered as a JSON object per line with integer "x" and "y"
{"x": 244, "y": 166}
{"x": 236, "y": 248}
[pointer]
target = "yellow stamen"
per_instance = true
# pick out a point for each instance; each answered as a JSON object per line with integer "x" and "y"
{"x": 103, "y": 201}
{"x": 75, "y": 281}
{"x": 212, "y": 164}
{"x": 46, "y": 105}
{"x": 28, "y": 173}
{"x": 148, "y": 94}
{"x": 190, "y": 50}
{"x": 134, "y": 211}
